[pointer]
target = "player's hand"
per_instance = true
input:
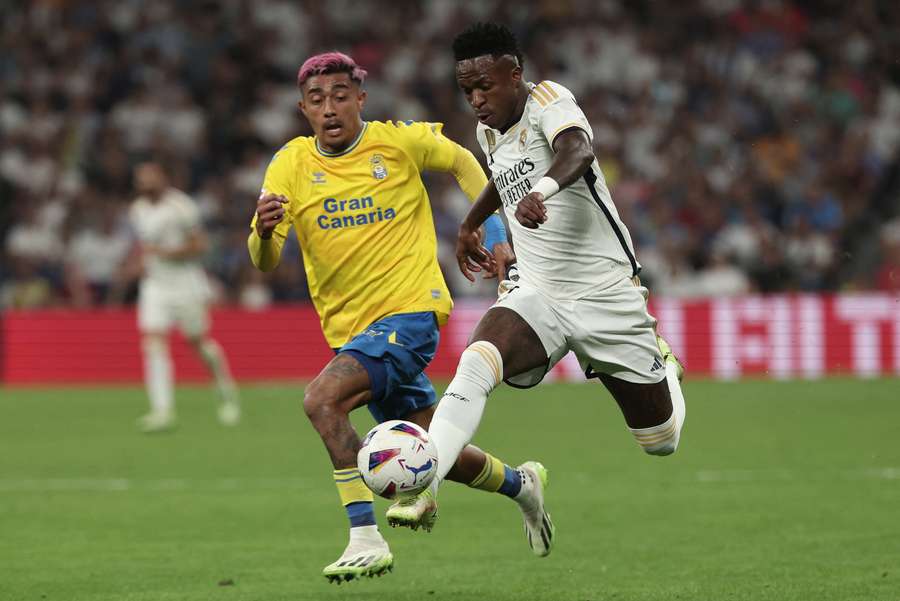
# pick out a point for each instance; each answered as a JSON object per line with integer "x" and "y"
{"x": 269, "y": 213}
{"x": 471, "y": 256}
{"x": 530, "y": 211}
{"x": 503, "y": 257}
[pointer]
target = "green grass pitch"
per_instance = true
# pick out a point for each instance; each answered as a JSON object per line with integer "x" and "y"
{"x": 780, "y": 491}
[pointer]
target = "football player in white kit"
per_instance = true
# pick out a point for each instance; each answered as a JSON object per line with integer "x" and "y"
{"x": 577, "y": 287}
{"x": 173, "y": 291}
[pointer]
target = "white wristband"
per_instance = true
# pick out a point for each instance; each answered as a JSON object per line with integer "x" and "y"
{"x": 546, "y": 186}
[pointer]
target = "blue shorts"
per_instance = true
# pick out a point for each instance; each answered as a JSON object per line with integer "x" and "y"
{"x": 395, "y": 352}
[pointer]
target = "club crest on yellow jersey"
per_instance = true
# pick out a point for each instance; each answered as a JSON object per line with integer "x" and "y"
{"x": 379, "y": 169}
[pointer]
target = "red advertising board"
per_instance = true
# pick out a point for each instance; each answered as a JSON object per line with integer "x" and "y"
{"x": 792, "y": 336}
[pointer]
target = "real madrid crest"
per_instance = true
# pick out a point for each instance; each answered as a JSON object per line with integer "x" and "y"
{"x": 379, "y": 169}
{"x": 523, "y": 140}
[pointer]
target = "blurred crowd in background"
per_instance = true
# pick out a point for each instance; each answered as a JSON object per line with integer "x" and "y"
{"x": 749, "y": 145}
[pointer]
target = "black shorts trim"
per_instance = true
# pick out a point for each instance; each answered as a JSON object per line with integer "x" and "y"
{"x": 521, "y": 387}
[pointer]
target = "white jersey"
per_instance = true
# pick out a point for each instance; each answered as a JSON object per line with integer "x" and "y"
{"x": 583, "y": 246}
{"x": 168, "y": 223}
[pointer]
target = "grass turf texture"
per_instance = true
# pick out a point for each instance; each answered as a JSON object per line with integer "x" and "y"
{"x": 784, "y": 490}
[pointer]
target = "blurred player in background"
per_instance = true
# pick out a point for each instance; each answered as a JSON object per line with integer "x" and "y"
{"x": 173, "y": 291}
{"x": 577, "y": 287}
{"x": 355, "y": 198}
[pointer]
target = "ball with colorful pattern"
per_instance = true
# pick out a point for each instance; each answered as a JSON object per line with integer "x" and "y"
{"x": 397, "y": 459}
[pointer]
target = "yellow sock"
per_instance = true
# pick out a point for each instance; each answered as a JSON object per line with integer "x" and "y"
{"x": 491, "y": 476}
{"x": 355, "y": 497}
{"x": 351, "y": 487}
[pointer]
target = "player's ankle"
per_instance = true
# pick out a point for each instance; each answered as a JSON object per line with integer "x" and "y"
{"x": 365, "y": 534}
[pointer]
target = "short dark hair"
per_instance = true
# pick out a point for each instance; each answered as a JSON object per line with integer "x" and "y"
{"x": 481, "y": 39}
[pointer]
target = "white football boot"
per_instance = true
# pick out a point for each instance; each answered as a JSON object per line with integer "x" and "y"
{"x": 367, "y": 554}
{"x": 414, "y": 512}
{"x": 156, "y": 421}
{"x": 230, "y": 409}
{"x": 670, "y": 357}
{"x": 539, "y": 528}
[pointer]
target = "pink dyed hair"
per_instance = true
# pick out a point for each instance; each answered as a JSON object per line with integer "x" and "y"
{"x": 330, "y": 62}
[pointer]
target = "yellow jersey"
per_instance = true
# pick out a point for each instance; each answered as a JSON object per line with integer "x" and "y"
{"x": 364, "y": 222}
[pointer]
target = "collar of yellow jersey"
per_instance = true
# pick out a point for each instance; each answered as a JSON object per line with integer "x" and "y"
{"x": 349, "y": 149}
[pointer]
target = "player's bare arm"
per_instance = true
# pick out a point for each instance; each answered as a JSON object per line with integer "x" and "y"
{"x": 574, "y": 156}
{"x": 471, "y": 255}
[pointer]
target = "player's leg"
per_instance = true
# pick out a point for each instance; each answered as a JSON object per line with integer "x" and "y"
{"x": 503, "y": 345}
{"x": 404, "y": 345}
{"x": 518, "y": 336}
{"x": 480, "y": 470}
{"x": 474, "y": 467}
{"x": 158, "y": 380}
{"x": 621, "y": 348}
{"x": 340, "y": 388}
{"x": 154, "y": 322}
{"x": 415, "y": 401}
{"x": 654, "y": 412}
{"x": 194, "y": 322}
{"x": 212, "y": 355}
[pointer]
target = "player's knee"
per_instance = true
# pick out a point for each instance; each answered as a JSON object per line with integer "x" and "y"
{"x": 154, "y": 344}
{"x": 482, "y": 364}
{"x": 319, "y": 400}
{"x": 659, "y": 440}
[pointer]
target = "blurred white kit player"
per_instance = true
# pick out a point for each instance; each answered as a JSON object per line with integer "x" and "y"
{"x": 174, "y": 291}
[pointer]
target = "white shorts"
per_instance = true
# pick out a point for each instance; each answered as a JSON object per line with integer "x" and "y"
{"x": 160, "y": 308}
{"x": 611, "y": 333}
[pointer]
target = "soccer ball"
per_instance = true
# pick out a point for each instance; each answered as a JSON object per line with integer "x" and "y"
{"x": 397, "y": 459}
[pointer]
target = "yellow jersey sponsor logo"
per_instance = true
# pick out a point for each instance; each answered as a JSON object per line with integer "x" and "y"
{"x": 352, "y": 212}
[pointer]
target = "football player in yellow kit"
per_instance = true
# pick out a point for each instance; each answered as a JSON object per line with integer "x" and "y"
{"x": 353, "y": 194}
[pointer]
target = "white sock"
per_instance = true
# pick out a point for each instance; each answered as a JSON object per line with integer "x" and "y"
{"x": 663, "y": 439}
{"x": 214, "y": 357}
{"x": 459, "y": 412}
{"x": 158, "y": 376}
